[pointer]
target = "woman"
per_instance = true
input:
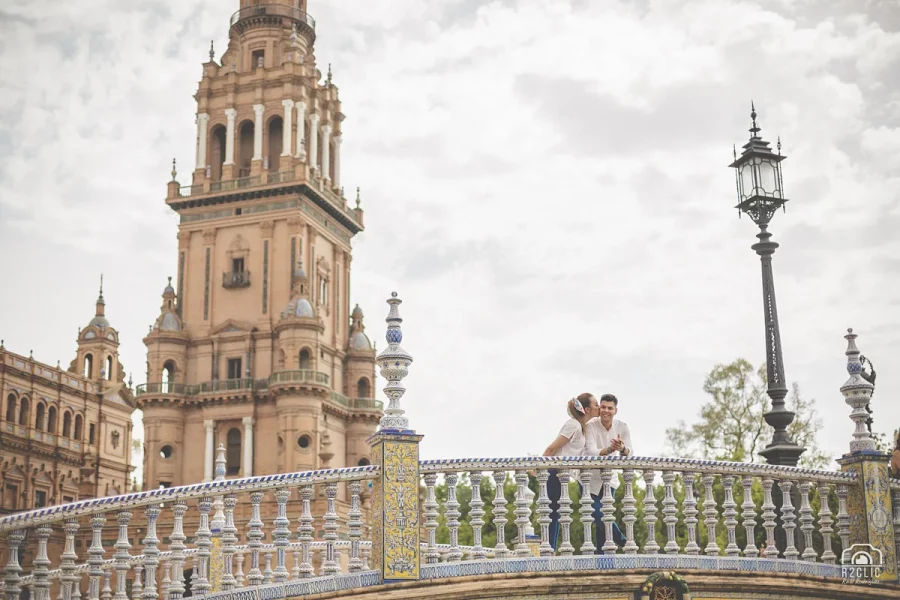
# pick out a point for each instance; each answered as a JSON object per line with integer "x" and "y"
{"x": 895, "y": 458}
{"x": 569, "y": 442}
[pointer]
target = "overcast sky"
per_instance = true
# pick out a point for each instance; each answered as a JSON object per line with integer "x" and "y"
{"x": 545, "y": 186}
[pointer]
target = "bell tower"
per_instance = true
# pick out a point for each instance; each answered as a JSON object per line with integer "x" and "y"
{"x": 252, "y": 347}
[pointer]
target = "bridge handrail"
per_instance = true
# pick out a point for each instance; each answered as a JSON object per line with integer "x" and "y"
{"x": 715, "y": 467}
{"x": 52, "y": 514}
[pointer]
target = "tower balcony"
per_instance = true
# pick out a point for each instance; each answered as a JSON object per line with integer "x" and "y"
{"x": 269, "y": 14}
{"x": 235, "y": 279}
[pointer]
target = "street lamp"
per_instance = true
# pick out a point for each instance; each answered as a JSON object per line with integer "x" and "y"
{"x": 760, "y": 194}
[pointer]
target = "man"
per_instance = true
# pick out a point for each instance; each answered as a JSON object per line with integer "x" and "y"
{"x": 607, "y": 436}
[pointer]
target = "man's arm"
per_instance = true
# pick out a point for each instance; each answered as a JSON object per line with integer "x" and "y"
{"x": 625, "y": 433}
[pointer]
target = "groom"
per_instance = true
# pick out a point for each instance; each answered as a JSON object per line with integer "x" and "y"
{"x": 612, "y": 438}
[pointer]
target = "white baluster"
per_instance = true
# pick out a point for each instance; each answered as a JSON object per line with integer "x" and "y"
{"x": 330, "y": 566}
{"x": 499, "y": 513}
{"x": 453, "y": 514}
{"x": 843, "y": 517}
{"x": 670, "y": 511}
{"x": 366, "y": 552}
{"x": 122, "y": 556}
{"x": 787, "y": 519}
{"x": 587, "y": 512}
{"x": 690, "y": 512}
{"x": 295, "y": 568}
{"x": 68, "y": 579}
{"x": 137, "y": 587}
{"x": 609, "y": 516}
{"x": 254, "y": 537}
{"x": 176, "y": 545}
{"x": 628, "y": 512}
{"x": 305, "y": 531}
{"x": 281, "y": 534}
{"x": 14, "y": 541}
{"x": 523, "y": 514}
{"x": 650, "y": 510}
{"x": 825, "y": 523}
{"x": 239, "y": 573}
{"x": 710, "y": 511}
{"x": 749, "y": 516}
{"x": 565, "y": 547}
{"x": 431, "y": 519}
{"x": 268, "y": 574}
{"x": 730, "y": 515}
{"x": 768, "y": 515}
{"x": 476, "y": 513}
{"x": 354, "y": 523}
{"x": 95, "y": 554}
{"x": 204, "y": 543}
{"x": 41, "y": 563}
{"x": 151, "y": 551}
{"x": 166, "y": 583}
{"x": 806, "y": 522}
{"x": 543, "y": 511}
{"x": 106, "y": 592}
{"x": 228, "y": 541}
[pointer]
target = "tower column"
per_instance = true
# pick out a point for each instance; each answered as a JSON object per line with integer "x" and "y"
{"x": 230, "y": 114}
{"x": 313, "y": 141}
{"x": 248, "y": 446}
{"x": 210, "y": 450}
{"x": 202, "y": 126}
{"x": 258, "y": 111}
{"x": 301, "y": 129}
{"x": 326, "y": 152}
{"x": 337, "y": 162}
{"x": 287, "y": 127}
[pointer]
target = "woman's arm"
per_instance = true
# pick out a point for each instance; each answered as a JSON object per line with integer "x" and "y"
{"x": 556, "y": 445}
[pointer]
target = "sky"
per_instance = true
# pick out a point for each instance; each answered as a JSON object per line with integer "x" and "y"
{"x": 545, "y": 186}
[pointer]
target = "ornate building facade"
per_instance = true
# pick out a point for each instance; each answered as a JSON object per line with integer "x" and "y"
{"x": 257, "y": 349}
{"x": 65, "y": 435}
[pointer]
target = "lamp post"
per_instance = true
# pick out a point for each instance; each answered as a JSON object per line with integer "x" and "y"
{"x": 760, "y": 194}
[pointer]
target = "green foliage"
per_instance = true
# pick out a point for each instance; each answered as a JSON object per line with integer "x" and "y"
{"x": 731, "y": 425}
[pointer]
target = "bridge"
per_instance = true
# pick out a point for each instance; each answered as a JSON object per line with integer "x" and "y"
{"x": 800, "y": 533}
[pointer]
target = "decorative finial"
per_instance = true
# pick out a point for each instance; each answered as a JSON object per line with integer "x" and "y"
{"x": 394, "y": 363}
{"x": 57, "y": 364}
{"x": 170, "y": 280}
{"x": 779, "y": 145}
{"x": 734, "y": 151}
{"x": 755, "y": 128}
{"x": 31, "y": 354}
{"x": 857, "y": 393}
{"x": 1, "y": 344}
{"x": 342, "y": 191}
{"x": 212, "y": 51}
{"x": 101, "y": 285}
{"x": 174, "y": 171}
{"x": 329, "y": 73}
{"x": 130, "y": 381}
{"x": 357, "y": 198}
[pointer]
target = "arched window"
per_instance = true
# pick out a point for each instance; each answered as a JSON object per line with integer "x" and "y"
{"x": 67, "y": 424}
{"x": 39, "y": 416}
{"x": 363, "y": 462}
{"x": 168, "y": 376}
{"x": 216, "y": 152}
{"x": 244, "y": 148}
{"x": 276, "y": 143}
{"x": 233, "y": 452}
{"x": 362, "y": 388}
{"x": 304, "y": 360}
{"x": 109, "y": 367}
{"x": 51, "y": 420}
{"x": 24, "y": 407}
{"x": 11, "y": 408}
{"x": 88, "y": 366}
{"x": 79, "y": 427}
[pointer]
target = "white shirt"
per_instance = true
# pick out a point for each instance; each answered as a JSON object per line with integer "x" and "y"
{"x": 599, "y": 438}
{"x": 572, "y": 431}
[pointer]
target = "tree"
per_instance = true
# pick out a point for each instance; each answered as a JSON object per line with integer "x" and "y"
{"x": 732, "y": 426}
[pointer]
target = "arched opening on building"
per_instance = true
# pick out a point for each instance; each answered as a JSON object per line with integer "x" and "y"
{"x": 79, "y": 427}
{"x": 332, "y": 152}
{"x": 319, "y": 153}
{"x": 51, "y": 420}
{"x": 362, "y": 388}
{"x": 305, "y": 361}
{"x": 168, "y": 377}
{"x": 244, "y": 148}
{"x": 109, "y": 368}
{"x": 233, "y": 452}
{"x": 11, "y": 408}
{"x": 67, "y": 424}
{"x": 276, "y": 143}
{"x": 24, "y": 410}
{"x": 88, "y": 370}
{"x": 280, "y": 359}
{"x": 39, "y": 416}
{"x": 216, "y": 152}
{"x": 363, "y": 462}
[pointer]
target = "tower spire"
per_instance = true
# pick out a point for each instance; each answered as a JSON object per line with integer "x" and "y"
{"x": 101, "y": 303}
{"x": 212, "y": 51}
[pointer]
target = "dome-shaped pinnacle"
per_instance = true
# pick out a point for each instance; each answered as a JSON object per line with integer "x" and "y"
{"x": 299, "y": 306}
{"x": 169, "y": 289}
